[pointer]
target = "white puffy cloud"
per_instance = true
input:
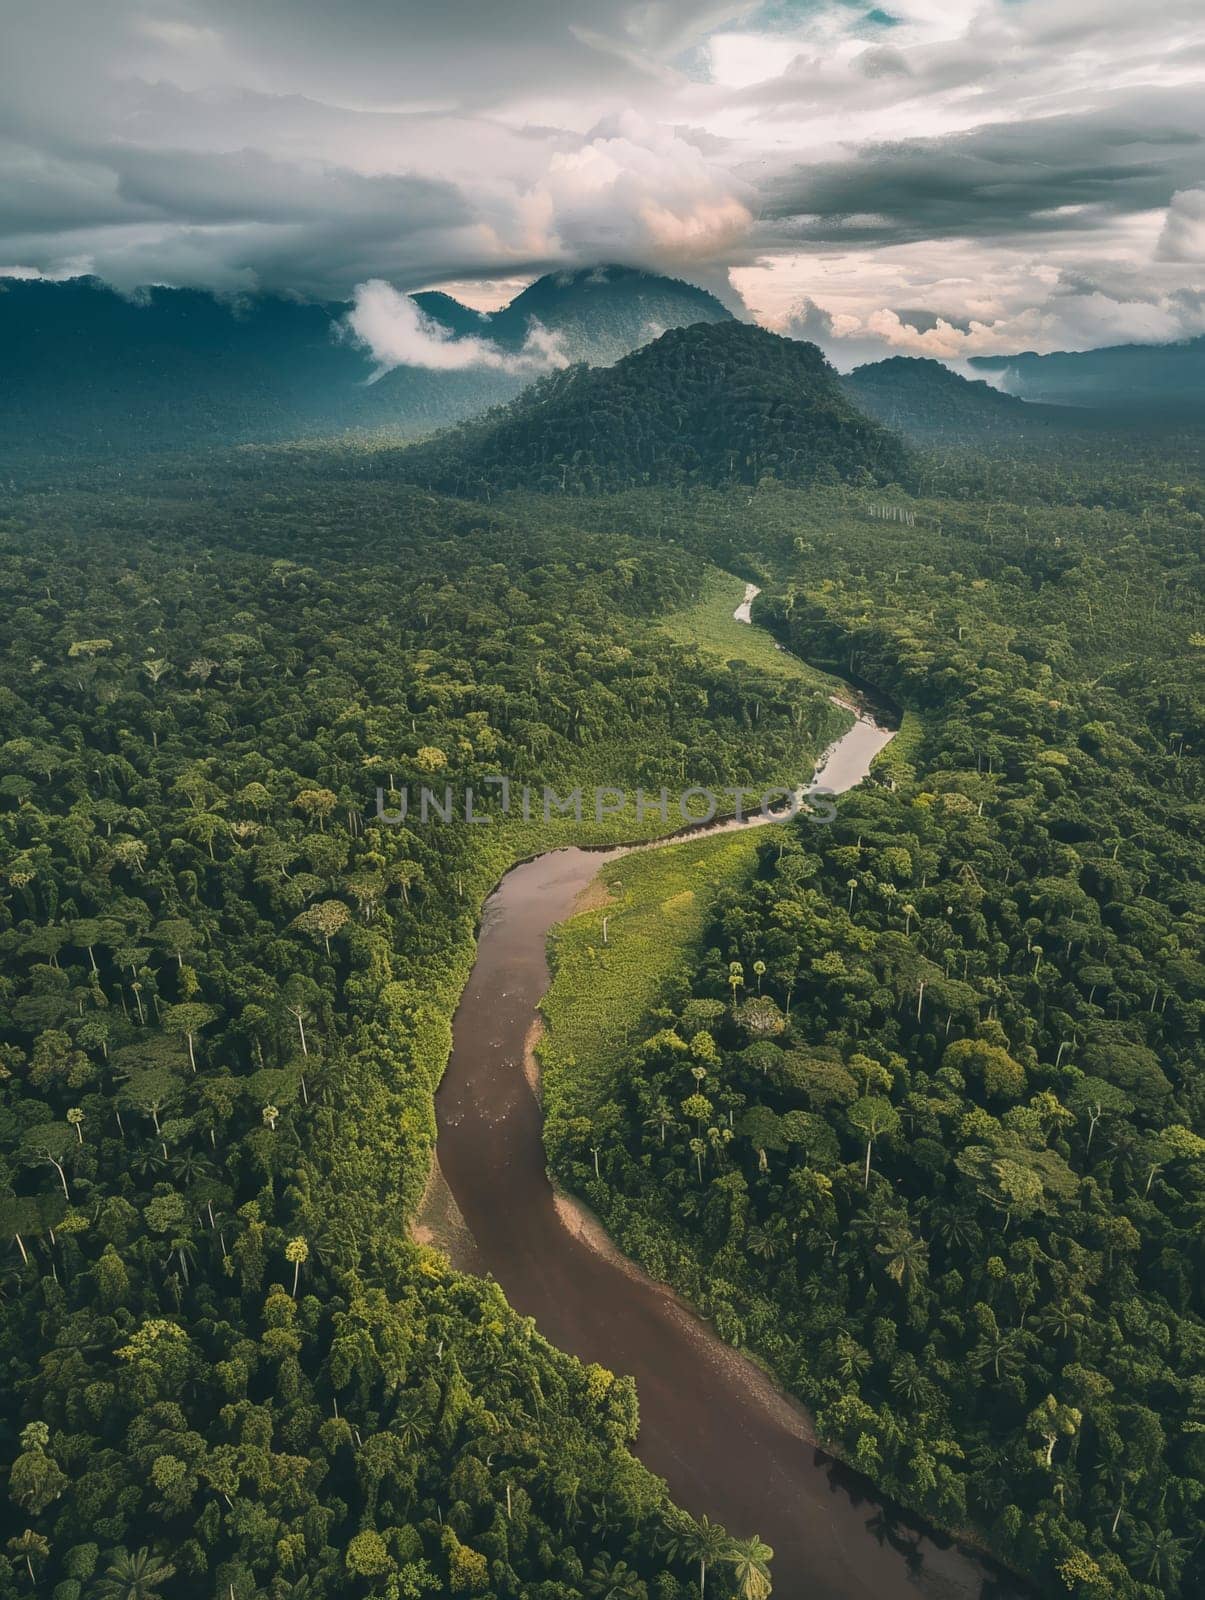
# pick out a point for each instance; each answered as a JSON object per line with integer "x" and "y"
{"x": 653, "y": 194}
{"x": 1183, "y": 236}
{"x": 397, "y": 332}
{"x": 1104, "y": 287}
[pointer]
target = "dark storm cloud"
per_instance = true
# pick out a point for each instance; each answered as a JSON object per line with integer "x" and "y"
{"x": 380, "y": 50}
{"x": 292, "y": 144}
{"x": 1052, "y": 175}
{"x": 247, "y": 185}
{"x": 299, "y": 145}
{"x": 126, "y": 184}
{"x": 294, "y": 129}
{"x": 214, "y": 216}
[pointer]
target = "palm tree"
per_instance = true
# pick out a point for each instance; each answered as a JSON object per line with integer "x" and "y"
{"x": 27, "y": 1547}
{"x": 190, "y": 1167}
{"x": 703, "y": 1541}
{"x": 957, "y": 1229}
{"x": 906, "y": 1259}
{"x": 850, "y": 1359}
{"x": 300, "y": 1588}
{"x": 134, "y": 1577}
{"x": 146, "y": 1161}
{"x": 662, "y": 1117}
{"x": 297, "y": 1252}
{"x": 184, "y": 1251}
{"x": 568, "y": 1489}
{"x": 750, "y": 1558}
{"x": 1002, "y": 1350}
{"x": 614, "y": 1580}
{"x": 409, "y": 1427}
{"x": 908, "y": 1383}
{"x": 761, "y": 1243}
{"x": 1159, "y": 1556}
{"x": 1061, "y": 1321}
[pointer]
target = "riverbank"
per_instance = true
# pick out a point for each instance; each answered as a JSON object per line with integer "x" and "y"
{"x": 727, "y": 1441}
{"x": 614, "y": 958}
{"x": 719, "y": 627}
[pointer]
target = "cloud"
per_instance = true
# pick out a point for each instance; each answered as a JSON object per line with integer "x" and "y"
{"x": 1079, "y": 322}
{"x": 653, "y": 195}
{"x": 625, "y": 190}
{"x": 807, "y": 320}
{"x": 398, "y": 333}
{"x": 924, "y": 320}
{"x": 1055, "y": 175}
{"x": 862, "y": 302}
{"x": 1183, "y": 236}
{"x": 980, "y": 161}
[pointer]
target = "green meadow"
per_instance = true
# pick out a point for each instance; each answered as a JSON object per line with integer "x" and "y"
{"x": 605, "y": 983}
{"x": 710, "y": 626}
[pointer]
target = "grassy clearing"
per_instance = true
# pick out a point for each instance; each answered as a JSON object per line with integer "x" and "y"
{"x": 657, "y": 903}
{"x": 710, "y": 626}
{"x": 657, "y": 910}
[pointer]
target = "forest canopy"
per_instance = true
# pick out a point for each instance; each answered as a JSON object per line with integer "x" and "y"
{"x": 918, "y": 1123}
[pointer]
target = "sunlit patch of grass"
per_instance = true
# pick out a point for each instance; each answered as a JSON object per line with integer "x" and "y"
{"x": 710, "y": 625}
{"x": 602, "y": 990}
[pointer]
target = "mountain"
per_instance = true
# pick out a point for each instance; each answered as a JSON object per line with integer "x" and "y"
{"x": 1168, "y": 376}
{"x": 928, "y": 403}
{"x": 713, "y": 403}
{"x": 87, "y": 370}
{"x": 601, "y": 314}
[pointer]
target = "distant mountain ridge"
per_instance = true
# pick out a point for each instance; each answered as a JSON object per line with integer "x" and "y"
{"x": 83, "y": 368}
{"x": 602, "y": 314}
{"x": 1166, "y": 375}
{"x": 931, "y": 404}
{"x": 712, "y": 403}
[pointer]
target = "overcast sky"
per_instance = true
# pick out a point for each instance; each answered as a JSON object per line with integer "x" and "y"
{"x": 937, "y": 176}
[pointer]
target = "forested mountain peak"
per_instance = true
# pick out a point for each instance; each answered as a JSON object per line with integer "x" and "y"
{"x": 601, "y": 314}
{"x": 712, "y": 403}
{"x": 451, "y": 313}
{"x": 928, "y": 401}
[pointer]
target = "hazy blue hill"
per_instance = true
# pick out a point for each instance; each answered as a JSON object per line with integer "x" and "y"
{"x": 712, "y": 403}
{"x": 86, "y": 369}
{"x": 926, "y": 401}
{"x": 83, "y": 369}
{"x": 1165, "y": 375}
{"x": 451, "y": 314}
{"x": 601, "y": 314}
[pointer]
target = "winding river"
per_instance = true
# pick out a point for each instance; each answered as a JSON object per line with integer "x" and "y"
{"x": 727, "y": 1441}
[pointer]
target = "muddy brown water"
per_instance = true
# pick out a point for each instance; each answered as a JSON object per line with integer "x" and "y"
{"x": 727, "y": 1441}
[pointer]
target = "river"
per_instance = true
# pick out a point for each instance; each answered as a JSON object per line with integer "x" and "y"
{"x": 727, "y": 1441}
